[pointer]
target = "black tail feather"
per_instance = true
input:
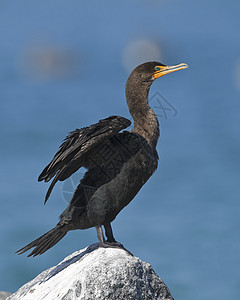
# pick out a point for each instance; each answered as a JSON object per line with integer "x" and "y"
{"x": 45, "y": 242}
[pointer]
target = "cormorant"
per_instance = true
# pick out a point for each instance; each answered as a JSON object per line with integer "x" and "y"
{"x": 118, "y": 163}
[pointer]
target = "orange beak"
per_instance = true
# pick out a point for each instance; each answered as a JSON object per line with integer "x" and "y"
{"x": 163, "y": 70}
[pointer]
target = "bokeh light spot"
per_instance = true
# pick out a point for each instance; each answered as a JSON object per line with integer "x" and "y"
{"x": 140, "y": 51}
{"x": 236, "y": 75}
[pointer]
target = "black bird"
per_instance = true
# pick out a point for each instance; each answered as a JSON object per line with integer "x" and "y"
{"x": 118, "y": 163}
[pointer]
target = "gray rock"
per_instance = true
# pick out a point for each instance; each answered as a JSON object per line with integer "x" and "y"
{"x": 96, "y": 273}
{"x": 4, "y": 295}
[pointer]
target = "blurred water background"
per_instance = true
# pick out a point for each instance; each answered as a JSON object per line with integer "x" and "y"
{"x": 63, "y": 65}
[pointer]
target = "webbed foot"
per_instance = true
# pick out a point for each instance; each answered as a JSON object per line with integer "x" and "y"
{"x": 118, "y": 245}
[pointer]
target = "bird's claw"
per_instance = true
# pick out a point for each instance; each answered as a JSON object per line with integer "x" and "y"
{"x": 115, "y": 244}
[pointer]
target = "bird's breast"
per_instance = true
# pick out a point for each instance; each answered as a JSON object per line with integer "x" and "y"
{"x": 112, "y": 197}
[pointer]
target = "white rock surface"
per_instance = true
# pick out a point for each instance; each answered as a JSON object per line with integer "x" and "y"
{"x": 96, "y": 273}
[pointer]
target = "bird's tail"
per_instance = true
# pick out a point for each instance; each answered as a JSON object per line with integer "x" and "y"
{"x": 46, "y": 241}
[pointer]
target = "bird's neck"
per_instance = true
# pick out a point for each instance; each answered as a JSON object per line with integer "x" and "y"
{"x": 145, "y": 120}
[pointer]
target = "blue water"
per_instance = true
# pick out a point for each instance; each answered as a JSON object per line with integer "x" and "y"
{"x": 61, "y": 68}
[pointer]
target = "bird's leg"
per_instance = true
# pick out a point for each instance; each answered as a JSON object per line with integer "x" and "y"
{"x": 109, "y": 233}
{"x": 100, "y": 235}
{"x": 110, "y": 243}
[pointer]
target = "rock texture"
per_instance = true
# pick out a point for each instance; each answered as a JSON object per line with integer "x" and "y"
{"x": 96, "y": 273}
{"x": 4, "y": 295}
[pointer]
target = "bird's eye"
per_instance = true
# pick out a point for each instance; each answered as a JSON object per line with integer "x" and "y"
{"x": 157, "y": 68}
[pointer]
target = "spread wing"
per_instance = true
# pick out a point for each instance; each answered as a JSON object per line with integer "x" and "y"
{"x": 70, "y": 156}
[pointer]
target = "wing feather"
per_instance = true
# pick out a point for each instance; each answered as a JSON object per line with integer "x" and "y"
{"x": 69, "y": 158}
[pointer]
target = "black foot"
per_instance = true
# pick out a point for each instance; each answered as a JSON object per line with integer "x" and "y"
{"x": 118, "y": 245}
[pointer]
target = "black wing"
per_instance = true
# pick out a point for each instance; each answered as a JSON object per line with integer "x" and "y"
{"x": 70, "y": 156}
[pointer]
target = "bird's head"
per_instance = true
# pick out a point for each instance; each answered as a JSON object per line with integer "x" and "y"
{"x": 149, "y": 71}
{"x": 140, "y": 81}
